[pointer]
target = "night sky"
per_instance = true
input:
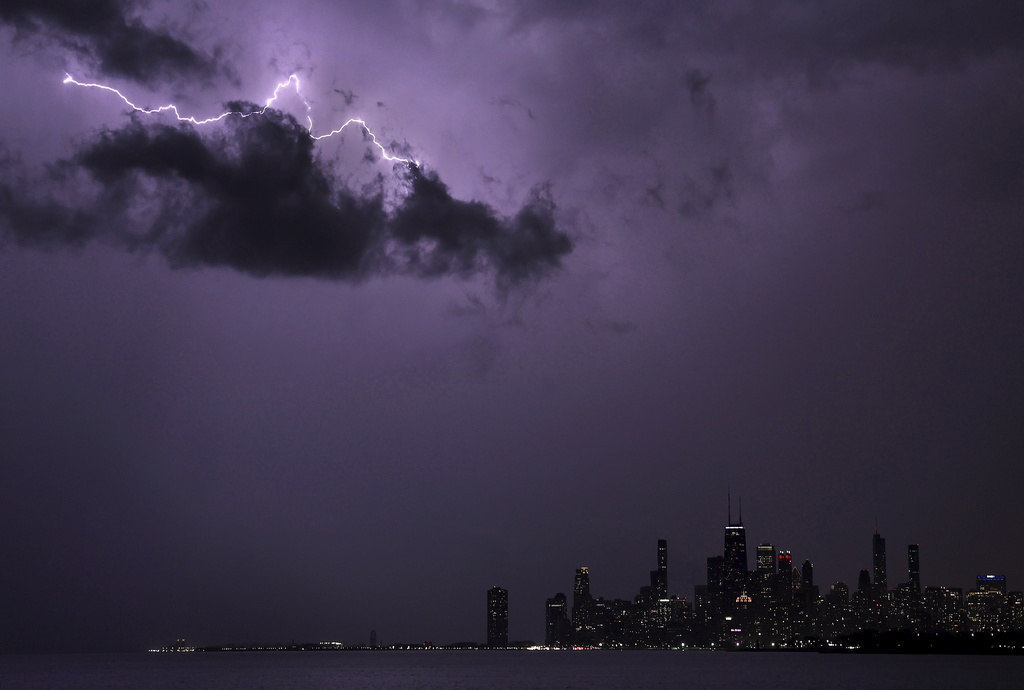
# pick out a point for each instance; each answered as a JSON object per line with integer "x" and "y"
{"x": 258, "y": 388}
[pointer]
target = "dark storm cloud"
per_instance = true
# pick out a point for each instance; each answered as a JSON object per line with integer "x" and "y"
{"x": 254, "y": 197}
{"x": 466, "y": 237}
{"x": 106, "y": 33}
{"x": 925, "y": 34}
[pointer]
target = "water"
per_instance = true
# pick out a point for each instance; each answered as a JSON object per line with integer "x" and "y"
{"x": 503, "y": 670}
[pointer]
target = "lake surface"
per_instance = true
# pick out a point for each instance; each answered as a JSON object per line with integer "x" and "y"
{"x": 500, "y": 670}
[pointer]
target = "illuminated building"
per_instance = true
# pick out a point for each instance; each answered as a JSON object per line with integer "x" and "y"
{"x": 583, "y": 624}
{"x": 944, "y": 609}
{"x": 785, "y": 578}
{"x": 837, "y": 616}
{"x": 992, "y": 583}
{"x": 497, "y": 617}
{"x": 985, "y": 603}
{"x": 1013, "y": 612}
{"x": 736, "y": 549}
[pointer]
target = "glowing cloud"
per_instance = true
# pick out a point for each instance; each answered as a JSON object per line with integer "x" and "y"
{"x": 292, "y": 80}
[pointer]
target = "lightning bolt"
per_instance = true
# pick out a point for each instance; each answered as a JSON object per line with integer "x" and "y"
{"x": 292, "y": 80}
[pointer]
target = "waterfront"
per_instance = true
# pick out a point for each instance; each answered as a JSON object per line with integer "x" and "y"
{"x": 500, "y": 670}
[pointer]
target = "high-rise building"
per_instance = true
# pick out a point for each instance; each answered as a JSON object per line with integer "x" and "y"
{"x": 864, "y": 581}
{"x": 914, "y": 569}
{"x": 497, "y": 617}
{"x": 881, "y": 587}
{"x": 663, "y": 568}
{"x": 736, "y": 545}
{"x": 557, "y": 631}
{"x": 992, "y": 583}
{"x": 784, "y": 589}
{"x": 736, "y": 573}
{"x": 784, "y": 562}
{"x": 807, "y": 575}
{"x": 944, "y": 607}
{"x": 582, "y": 608}
{"x": 765, "y": 560}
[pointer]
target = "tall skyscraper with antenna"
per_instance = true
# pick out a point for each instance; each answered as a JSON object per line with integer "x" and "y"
{"x": 881, "y": 586}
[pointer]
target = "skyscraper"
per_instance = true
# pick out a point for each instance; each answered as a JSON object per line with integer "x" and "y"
{"x": 497, "y": 617}
{"x": 785, "y": 565}
{"x": 881, "y": 587}
{"x": 914, "y": 569}
{"x": 736, "y": 545}
{"x": 992, "y": 583}
{"x": 765, "y": 560}
{"x": 736, "y": 573}
{"x": 662, "y": 569}
{"x": 582, "y": 608}
{"x": 557, "y": 630}
{"x": 807, "y": 575}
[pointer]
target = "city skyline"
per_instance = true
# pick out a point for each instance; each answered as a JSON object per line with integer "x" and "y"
{"x": 773, "y": 604}
{"x": 646, "y": 259}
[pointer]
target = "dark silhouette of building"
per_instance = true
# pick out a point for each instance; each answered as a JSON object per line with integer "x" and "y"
{"x": 736, "y": 550}
{"x": 914, "y": 569}
{"x": 497, "y": 617}
{"x": 881, "y": 587}
{"x": 659, "y": 577}
{"x": 584, "y": 626}
{"x": 785, "y": 578}
{"x": 557, "y": 631}
{"x": 373, "y": 639}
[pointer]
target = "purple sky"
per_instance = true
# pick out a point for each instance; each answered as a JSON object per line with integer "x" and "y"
{"x": 258, "y": 390}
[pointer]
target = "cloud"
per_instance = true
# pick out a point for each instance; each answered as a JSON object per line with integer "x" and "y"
{"x": 105, "y": 33}
{"x": 700, "y": 196}
{"x": 701, "y": 97}
{"x": 254, "y": 196}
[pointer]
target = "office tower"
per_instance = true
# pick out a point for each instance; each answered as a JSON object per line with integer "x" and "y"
{"x": 765, "y": 560}
{"x": 582, "y": 608}
{"x": 662, "y": 568}
{"x": 914, "y": 569}
{"x": 736, "y": 545}
{"x": 736, "y": 573}
{"x": 878, "y": 559}
{"x": 784, "y": 590}
{"x": 992, "y": 583}
{"x": 373, "y": 639}
{"x": 1013, "y": 613}
{"x": 557, "y": 630}
{"x": 985, "y": 603}
{"x": 864, "y": 581}
{"x": 785, "y": 563}
{"x": 837, "y": 620}
{"x": 807, "y": 576}
{"x": 497, "y": 617}
{"x": 944, "y": 607}
{"x": 714, "y": 594}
